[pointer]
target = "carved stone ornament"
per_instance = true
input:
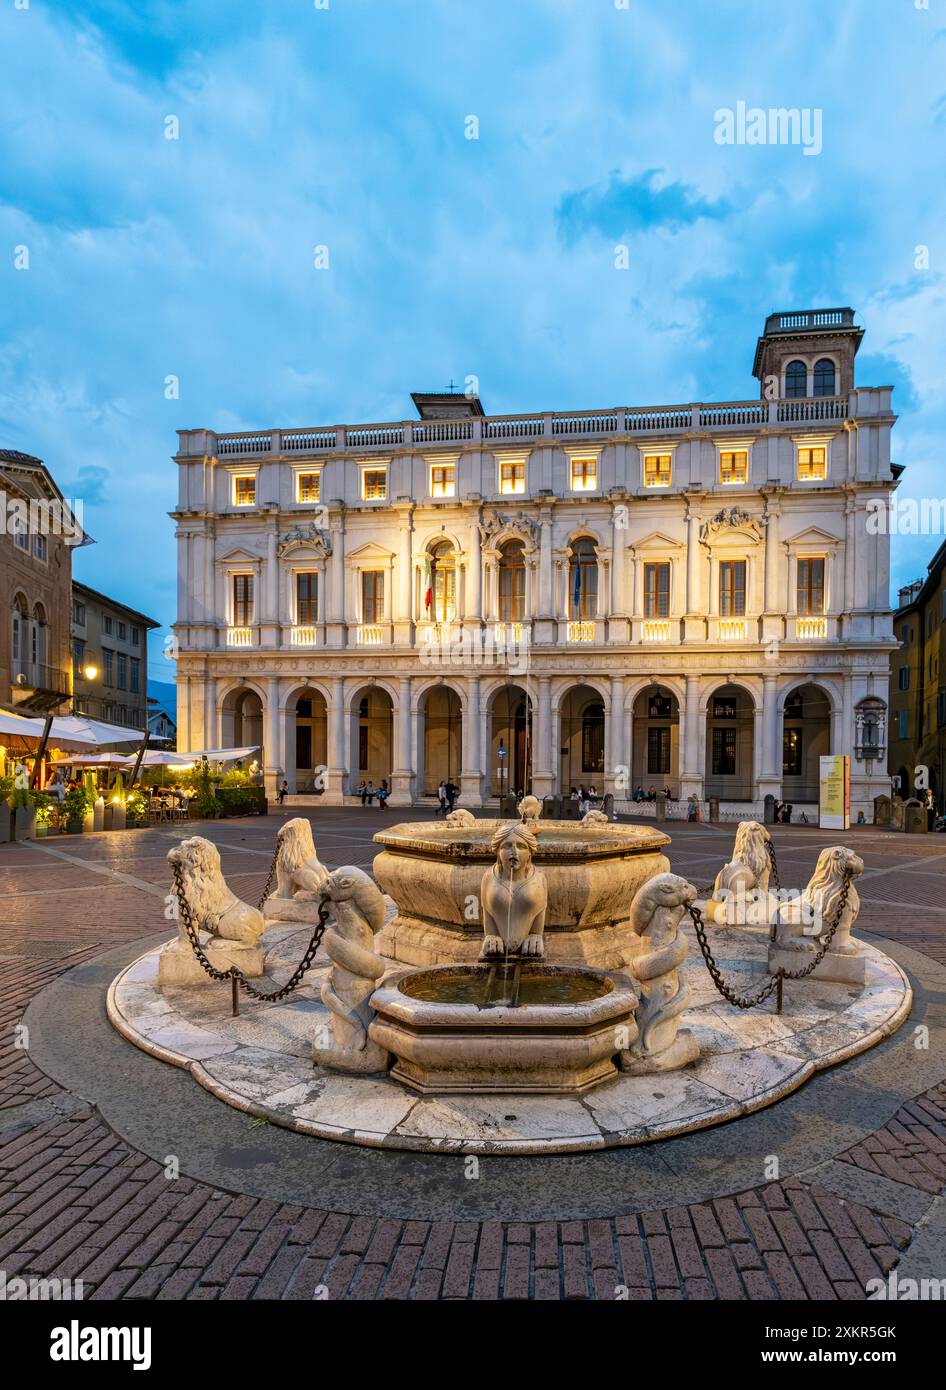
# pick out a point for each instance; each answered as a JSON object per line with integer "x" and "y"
{"x": 730, "y": 518}
{"x": 504, "y": 523}
{"x": 311, "y": 536}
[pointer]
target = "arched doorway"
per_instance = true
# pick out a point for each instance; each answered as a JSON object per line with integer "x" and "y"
{"x": 806, "y": 736}
{"x": 242, "y": 722}
{"x": 443, "y": 738}
{"x": 581, "y": 741}
{"x": 372, "y": 737}
{"x": 655, "y": 757}
{"x": 730, "y": 736}
{"x": 510, "y": 742}
{"x": 307, "y": 741}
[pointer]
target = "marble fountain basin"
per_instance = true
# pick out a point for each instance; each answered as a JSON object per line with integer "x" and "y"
{"x": 447, "y": 1035}
{"x": 433, "y": 872}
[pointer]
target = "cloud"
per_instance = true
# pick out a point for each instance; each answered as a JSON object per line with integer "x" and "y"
{"x": 622, "y": 205}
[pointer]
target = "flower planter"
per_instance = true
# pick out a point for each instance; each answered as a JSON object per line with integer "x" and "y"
{"x": 24, "y": 823}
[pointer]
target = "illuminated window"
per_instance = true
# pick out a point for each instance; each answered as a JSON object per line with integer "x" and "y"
{"x": 307, "y": 487}
{"x": 244, "y": 491}
{"x": 812, "y": 461}
{"x": 512, "y": 582}
{"x": 734, "y": 466}
{"x": 372, "y": 596}
{"x": 810, "y": 587}
{"x": 791, "y": 753}
{"x": 584, "y": 474}
{"x": 512, "y": 476}
{"x": 307, "y": 599}
{"x": 732, "y": 588}
{"x": 443, "y": 479}
{"x": 374, "y": 484}
{"x": 657, "y": 590}
{"x": 582, "y": 581}
{"x": 657, "y": 469}
{"x": 242, "y": 600}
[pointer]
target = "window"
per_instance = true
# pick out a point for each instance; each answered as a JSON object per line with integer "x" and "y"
{"x": 930, "y": 622}
{"x": 122, "y": 632}
{"x": 135, "y": 686}
{"x": 791, "y": 753}
{"x": 372, "y": 596}
{"x": 512, "y": 583}
{"x": 78, "y": 655}
{"x": 903, "y": 682}
{"x": 658, "y": 750}
{"x": 582, "y": 580}
{"x": 903, "y": 724}
{"x": 512, "y": 476}
{"x": 39, "y": 546}
{"x": 810, "y": 587}
{"x": 724, "y": 752}
{"x": 659, "y": 707}
{"x": 307, "y": 599}
{"x": 363, "y": 748}
{"x": 374, "y": 484}
{"x": 442, "y": 584}
{"x": 20, "y": 626}
{"x": 584, "y": 474}
{"x": 135, "y": 637}
{"x": 244, "y": 490}
{"x": 657, "y": 470}
{"x": 122, "y": 671}
{"x": 107, "y": 625}
{"x": 657, "y": 590}
{"x": 796, "y": 380}
{"x": 812, "y": 461}
{"x": 443, "y": 479}
{"x": 732, "y": 588}
{"x": 824, "y": 377}
{"x": 108, "y": 660}
{"x": 21, "y": 536}
{"x": 78, "y": 613}
{"x": 734, "y": 466}
{"x": 307, "y": 487}
{"x": 242, "y": 600}
{"x": 724, "y": 708}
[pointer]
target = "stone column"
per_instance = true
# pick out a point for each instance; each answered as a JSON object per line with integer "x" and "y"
{"x": 617, "y": 627}
{"x": 694, "y": 622}
{"x": 616, "y": 772}
{"x": 336, "y": 635}
{"x": 691, "y": 780}
{"x": 543, "y": 770}
{"x": 471, "y": 777}
{"x": 402, "y": 778}
{"x": 337, "y": 744}
{"x": 402, "y": 606}
{"x": 769, "y": 779}
{"x": 474, "y": 587}
{"x": 274, "y": 755}
{"x": 772, "y": 622}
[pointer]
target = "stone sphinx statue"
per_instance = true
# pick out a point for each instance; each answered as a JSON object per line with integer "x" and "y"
{"x": 655, "y": 962}
{"x": 529, "y": 808}
{"x": 356, "y": 969}
{"x": 513, "y": 896}
{"x": 300, "y": 876}
{"x": 802, "y": 922}
{"x": 740, "y": 894}
{"x": 460, "y": 819}
{"x": 233, "y": 926}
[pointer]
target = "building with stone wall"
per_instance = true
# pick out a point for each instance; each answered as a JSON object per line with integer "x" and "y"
{"x": 691, "y": 596}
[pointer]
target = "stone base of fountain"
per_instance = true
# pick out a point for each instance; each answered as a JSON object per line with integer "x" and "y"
{"x": 179, "y": 966}
{"x": 455, "y": 1029}
{"x": 844, "y": 969}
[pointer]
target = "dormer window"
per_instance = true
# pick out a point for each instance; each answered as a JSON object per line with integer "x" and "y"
{"x": 824, "y": 377}
{"x": 796, "y": 380}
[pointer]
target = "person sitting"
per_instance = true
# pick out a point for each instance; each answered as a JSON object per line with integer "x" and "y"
{"x": 370, "y": 792}
{"x": 362, "y": 791}
{"x": 384, "y": 792}
{"x": 283, "y": 792}
{"x": 651, "y": 793}
{"x": 668, "y": 794}
{"x": 639, "y": 794}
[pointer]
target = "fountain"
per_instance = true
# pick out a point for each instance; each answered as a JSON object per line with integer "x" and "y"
{"x": 544, "y": 959}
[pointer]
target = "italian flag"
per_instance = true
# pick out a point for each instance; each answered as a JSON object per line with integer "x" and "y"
{"x": 428, "y": 590}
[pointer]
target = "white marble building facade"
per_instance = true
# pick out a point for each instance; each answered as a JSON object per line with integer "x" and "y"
{"x": 693, "y": 597}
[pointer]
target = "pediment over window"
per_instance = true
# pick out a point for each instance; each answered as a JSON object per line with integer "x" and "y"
{"x": 239, "y": 556}
{"x": 371, "y": 554}
{"x": 656, "y": 540}
{"x": 811, "y": 536}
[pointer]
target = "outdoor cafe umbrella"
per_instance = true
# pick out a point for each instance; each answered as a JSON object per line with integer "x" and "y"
{"x": 222, "y": 755}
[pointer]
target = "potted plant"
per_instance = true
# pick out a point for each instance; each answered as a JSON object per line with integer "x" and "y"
{"x": 136, "y": 810}
{"x": 24, "y": 815}
{"x": 44, "y": 811}
{"x": 74, "y": 809}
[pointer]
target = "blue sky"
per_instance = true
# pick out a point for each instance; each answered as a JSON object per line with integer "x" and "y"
{"x": 346, "y": 126}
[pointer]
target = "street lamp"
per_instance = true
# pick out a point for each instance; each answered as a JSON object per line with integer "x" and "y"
{"x": 90, "y": 671}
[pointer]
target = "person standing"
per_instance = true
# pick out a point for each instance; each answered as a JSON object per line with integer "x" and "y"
{"x": 452, "y": 791}
{"x": 442, "y": 798}
{"x": 283, "y": 791}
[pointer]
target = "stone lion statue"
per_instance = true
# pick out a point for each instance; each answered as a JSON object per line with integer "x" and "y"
{"x": 298, "y": 870}
{"x": 813, "y": 912}
{"x": 459, "y": 819}
{"x": 594, "y": 818}
{"x": 356, "y": 969}
{"x": 655, "y": 963}
{"x": 214, "y": 907}
{"x": 530, "y": 808}
{"x": 741, "y": 892}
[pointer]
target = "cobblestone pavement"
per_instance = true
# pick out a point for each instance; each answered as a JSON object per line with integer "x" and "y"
{"x": 77, "y": 1202}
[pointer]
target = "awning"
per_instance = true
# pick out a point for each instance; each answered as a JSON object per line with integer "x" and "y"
{"x": 222, "y": 755}
{"x": 92, "y": 760}
{"x": 82, "y": 730}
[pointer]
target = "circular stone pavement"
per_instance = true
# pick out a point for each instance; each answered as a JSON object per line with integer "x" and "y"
{"x": 260, "y": 1062}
